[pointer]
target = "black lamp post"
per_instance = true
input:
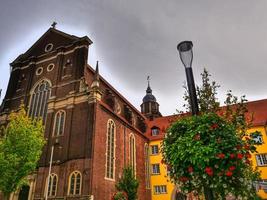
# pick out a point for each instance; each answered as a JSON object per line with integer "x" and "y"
{"x": 186, "y": 55}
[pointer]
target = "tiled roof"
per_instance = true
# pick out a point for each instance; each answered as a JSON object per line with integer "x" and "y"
{"x": 257, "y": 108}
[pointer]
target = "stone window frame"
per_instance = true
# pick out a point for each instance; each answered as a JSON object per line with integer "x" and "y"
{"x": 59, "y": 123}
{"x": 132, "y": 152}
{"x": 50, "y": 67}
{"x": 51, "y": 186}
{"x": 147, "y": 165}
{"x": 110, "y": 150}
{"x": 39, "y": 71}
{"x": 74, "y": 175}
{"x": 38, "y": 106}
{"x": 48, "y": 47}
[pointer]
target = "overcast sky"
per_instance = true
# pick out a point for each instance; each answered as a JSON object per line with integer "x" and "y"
{"x": 133, "y": 39}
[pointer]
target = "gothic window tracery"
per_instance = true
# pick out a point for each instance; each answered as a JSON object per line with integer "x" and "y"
{"x": 110, "y": 150}
{"x": 39, "y": 96}
{"x": 59, "y": 123}
{"x": 52, "y": 185}
{"x": 132, "y": 153}
{"x": 75, "y": 183}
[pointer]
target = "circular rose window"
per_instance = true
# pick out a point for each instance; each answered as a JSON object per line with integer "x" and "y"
{"x": 48, "y": 47}
{"x": 50, "y": 67}
{"x": 39, "y": 70}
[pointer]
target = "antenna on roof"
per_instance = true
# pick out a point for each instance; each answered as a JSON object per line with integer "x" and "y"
{"x": 53, "y": 25}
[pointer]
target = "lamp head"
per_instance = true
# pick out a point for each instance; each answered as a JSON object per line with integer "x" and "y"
{"x": 186, "y": 53}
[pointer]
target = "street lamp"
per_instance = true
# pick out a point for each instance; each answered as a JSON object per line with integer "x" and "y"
{"x": 186, "y": 55}
{"x": 56, "y": 144}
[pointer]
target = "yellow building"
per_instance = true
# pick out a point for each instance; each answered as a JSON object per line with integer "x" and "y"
{"x": 163, "y": 189}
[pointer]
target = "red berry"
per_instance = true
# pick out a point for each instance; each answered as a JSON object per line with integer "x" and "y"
{"x": 232, "y": 168}
{"x": 229, "y": 173}
{"x": 190, "y": 169}
{"x": 232, "y": 155}
{"x": 239, "y": 156}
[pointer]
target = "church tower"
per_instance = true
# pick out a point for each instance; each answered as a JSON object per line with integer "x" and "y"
{"x": 150, "y": 107}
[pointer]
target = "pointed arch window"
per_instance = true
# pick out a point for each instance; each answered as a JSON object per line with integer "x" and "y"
{"x": 147, "y": 166}
{"x": 132, "y": 153}
{"x": 110, "y": 150}
{"x": 39, "y": 96}
{"x": 52, "y": 185}
{"x": 75, "y": 183}
{"x": 59, "y": 123}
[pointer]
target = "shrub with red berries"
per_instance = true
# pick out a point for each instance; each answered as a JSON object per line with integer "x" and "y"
{"x": 208, "y": 151}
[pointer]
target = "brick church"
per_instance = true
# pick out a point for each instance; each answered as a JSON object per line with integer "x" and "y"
{"x": 92, "y": 131}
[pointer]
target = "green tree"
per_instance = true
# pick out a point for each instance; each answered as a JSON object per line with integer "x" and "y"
{"x": 128, "y": 183}
{"x": 206, "y": 151}
{"x": 212, "y": 150}
{"x": 206, "y": 95}
{"x": 20, "y": 149}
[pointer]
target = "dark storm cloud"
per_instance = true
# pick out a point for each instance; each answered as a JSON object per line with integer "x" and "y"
{"x": 133, "y": 39}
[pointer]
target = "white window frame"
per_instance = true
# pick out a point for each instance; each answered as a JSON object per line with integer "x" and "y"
{"x": 261, "y": 159}
{"x": 160, "y": 189}
{"x": 155, "y": 168}
{"x": 154, "y": 149}
{"x": 155, "y": 131}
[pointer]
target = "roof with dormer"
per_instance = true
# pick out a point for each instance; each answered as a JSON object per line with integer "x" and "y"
{"x": 258, "y": 109}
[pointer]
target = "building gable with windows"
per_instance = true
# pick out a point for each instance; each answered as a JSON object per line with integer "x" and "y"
{"x": 92, "y": 131}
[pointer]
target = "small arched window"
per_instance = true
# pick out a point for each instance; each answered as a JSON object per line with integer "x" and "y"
{"x": 39, "y": 96}
{"x": 75, "y": 183}
{"x": 147, "y": 166}
{"x": 132, "y": 153}
{"x": 52, "y": 185}
{"x": 110, "y": 150}
{"x": 59, "y": 123}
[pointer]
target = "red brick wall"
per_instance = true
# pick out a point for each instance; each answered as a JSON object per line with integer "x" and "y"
{"x": 63, "y": 172}
{"x": 101, "y": 187}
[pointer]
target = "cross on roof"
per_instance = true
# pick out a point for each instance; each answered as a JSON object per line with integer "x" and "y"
{"x": 53, "y": 25}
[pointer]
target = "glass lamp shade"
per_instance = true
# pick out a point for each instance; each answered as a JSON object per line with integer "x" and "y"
{"x": 186, "y": 53}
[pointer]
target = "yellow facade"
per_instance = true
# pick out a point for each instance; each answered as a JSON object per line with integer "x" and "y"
{"x": 261, "y": 149}
{"x": 162, "y": 178}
